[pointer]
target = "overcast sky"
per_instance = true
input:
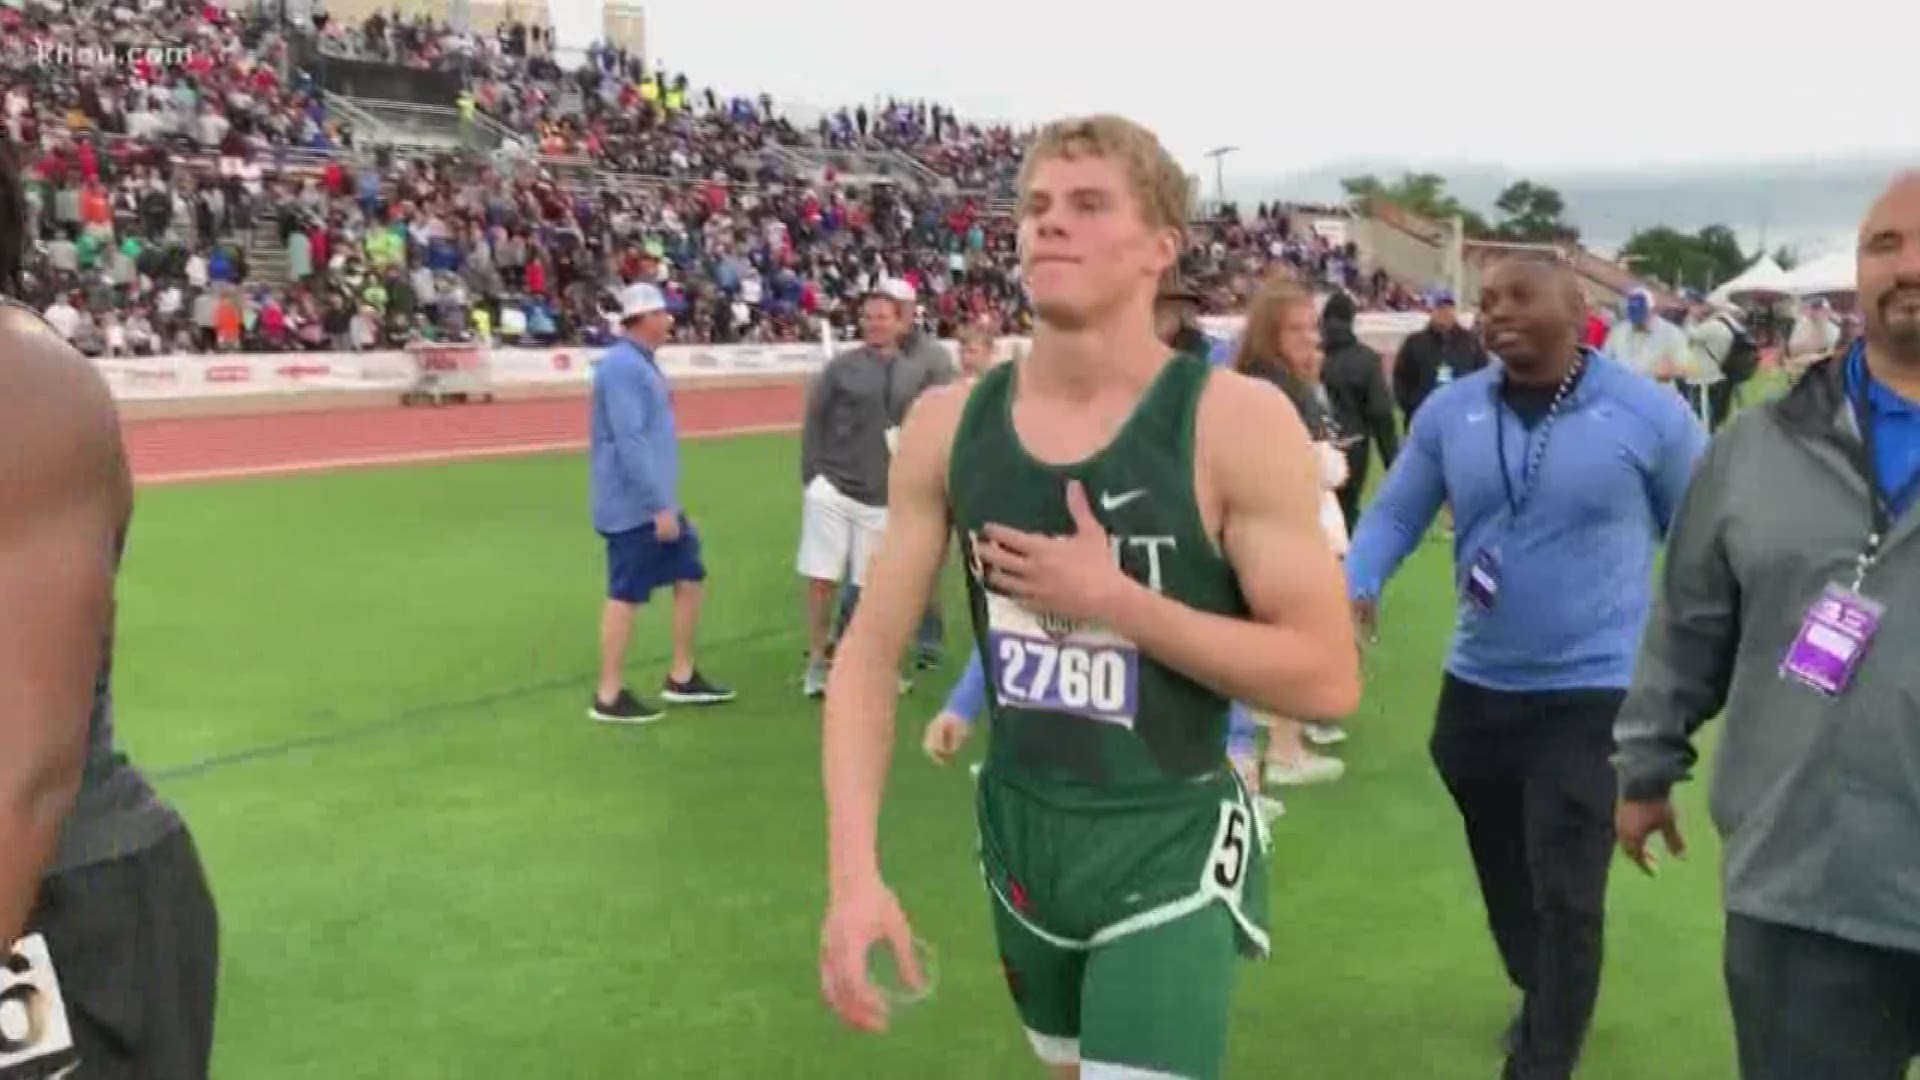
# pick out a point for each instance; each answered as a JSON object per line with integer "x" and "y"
{"x": 1639, "y": 82}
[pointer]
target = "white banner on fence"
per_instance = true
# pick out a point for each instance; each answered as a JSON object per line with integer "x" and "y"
{"x": 395, "y": 370}
{"x": 176, "y": 377}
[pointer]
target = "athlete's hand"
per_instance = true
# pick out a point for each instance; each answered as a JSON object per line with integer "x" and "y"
{"x": 666, "y": 526}
{"x": 946, "y": 734}
{"x": 858, "y": 917}
{"x": 1073, "y": 576}
{"x": 1366, "y": 620}
{"x": 1636, "y": 822}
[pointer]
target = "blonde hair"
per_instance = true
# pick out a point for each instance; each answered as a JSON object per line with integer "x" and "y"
{"x": 972, "y": 333}
{"x": 1258, "y": 339}
{"x": 1153, "y": 176}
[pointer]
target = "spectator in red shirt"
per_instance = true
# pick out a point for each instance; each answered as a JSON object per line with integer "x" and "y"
{"x": 1595, "y": 334}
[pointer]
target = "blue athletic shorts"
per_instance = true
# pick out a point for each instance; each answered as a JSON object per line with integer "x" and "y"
{"x": 638, "y": 562}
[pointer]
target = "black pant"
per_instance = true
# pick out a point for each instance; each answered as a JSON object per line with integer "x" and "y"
{"x": 1359, "y": 459}
{"x": 1807, "y": 1004}
{"x": 135, "y": 945}
{"x": 1531, "y": 777}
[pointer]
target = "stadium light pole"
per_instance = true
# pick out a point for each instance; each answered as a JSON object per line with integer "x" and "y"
{"x": 1219, "y": 155}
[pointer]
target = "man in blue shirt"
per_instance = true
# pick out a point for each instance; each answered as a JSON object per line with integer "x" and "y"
{"x": 636, "y": 508}
{"x": 1564, "y": 470}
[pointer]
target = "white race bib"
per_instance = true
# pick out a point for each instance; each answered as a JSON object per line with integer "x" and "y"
{"x": 1051, "y": 665}
{"x": 1226, "y": 872}
{"x": 34, "y": 1033}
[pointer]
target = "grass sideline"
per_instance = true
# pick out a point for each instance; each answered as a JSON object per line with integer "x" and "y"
{"x": 366, "y": 692}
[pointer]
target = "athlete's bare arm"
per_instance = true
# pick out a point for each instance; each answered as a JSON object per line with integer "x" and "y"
{"x": 1296, "y": 657}
{"x": 64, "y": 500}
{"x": 857, "y": 739}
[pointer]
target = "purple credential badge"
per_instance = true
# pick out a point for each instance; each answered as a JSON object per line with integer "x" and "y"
{"x": 1832, "y": 640}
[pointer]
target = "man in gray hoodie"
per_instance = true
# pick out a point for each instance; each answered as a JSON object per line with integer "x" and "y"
{"x": 1791, "y": 599}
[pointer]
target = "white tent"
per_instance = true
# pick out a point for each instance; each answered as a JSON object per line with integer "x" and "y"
{"x": 1833, "y": 273}
{"x": 1763, "y": 278}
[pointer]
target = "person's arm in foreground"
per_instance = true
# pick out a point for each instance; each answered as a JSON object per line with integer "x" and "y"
{"x": 857, "y": 734}
{"x": 968, "y": 699}
{"x": 64, "y": 497}
{"x": 1295, "y": 656}
{"x": 1685, "y": 666}
{"x": 1399, "y": 516}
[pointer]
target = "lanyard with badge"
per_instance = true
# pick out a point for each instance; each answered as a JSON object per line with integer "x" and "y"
{"x": 1833, "y": 638}
{"x": 1482, "y": 584}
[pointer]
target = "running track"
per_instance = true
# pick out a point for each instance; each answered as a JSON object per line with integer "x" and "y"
{"x": 223, "y": 447}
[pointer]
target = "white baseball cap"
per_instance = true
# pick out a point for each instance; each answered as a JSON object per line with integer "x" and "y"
{"x": 639, "y": 299}
{"x": 898, "y": 289}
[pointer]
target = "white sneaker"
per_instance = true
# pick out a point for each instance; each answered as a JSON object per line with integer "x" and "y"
{"x": 1269, "y": 808}
{"x": 1326, "y": 734}
{"x": 1309, "y": 769}
{"x": 815, "y": 682}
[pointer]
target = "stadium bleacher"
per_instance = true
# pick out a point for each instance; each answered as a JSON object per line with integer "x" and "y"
{"x": 216, "y": 190}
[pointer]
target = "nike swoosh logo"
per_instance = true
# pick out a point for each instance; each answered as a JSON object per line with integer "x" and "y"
{"x": 1476, "y": 418}
{"x": 1111, "y": 502}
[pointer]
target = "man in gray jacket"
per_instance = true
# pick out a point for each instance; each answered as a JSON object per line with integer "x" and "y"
{"x": 1792, "y": 600}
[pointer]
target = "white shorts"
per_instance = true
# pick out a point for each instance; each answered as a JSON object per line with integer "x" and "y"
{"x": 838, "y": 535}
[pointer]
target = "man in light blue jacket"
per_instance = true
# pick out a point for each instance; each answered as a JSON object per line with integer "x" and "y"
{"x": 1564, "y": 469}
{"x": 635, "y": 461}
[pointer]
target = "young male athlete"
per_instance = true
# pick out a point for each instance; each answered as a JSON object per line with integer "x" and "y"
{"x": 1143, "y": 546}
{"x": 110, "y": 937}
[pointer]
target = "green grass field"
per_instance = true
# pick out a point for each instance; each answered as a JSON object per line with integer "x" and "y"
{"x": 366, "y": 693}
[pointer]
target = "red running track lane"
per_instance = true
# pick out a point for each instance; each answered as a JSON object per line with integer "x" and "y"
{"x": 223, "y": 447}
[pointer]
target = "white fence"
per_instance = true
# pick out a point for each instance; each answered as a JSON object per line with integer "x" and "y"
{"x": 234, "y": 375}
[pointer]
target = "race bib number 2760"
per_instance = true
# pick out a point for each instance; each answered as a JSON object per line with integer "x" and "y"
{"x": 34, "y": 1035}
{"x": 1095, "y": 681}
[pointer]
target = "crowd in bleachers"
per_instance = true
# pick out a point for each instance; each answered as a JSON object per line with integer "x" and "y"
{"x": 152, "y": 184}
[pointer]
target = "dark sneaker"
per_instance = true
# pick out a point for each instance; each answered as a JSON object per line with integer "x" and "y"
{"x": 624, "y": 709}
{"x": 696, "y": 690}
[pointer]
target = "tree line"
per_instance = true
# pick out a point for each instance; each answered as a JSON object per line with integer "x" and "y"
{"x": 1535, "y": 213}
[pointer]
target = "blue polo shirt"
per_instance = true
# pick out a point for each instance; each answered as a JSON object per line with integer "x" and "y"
{"x": 1896, "y": 433}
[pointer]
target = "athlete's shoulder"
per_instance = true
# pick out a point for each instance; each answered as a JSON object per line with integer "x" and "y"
{"x": 38, "y": 357}
{"x": 940, "y": 407}
{"x": 59, "y": 415}
{"x": 1241, "y": 403}
{"x": 927, "y": 434}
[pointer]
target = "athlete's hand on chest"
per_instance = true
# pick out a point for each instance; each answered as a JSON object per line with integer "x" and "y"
{"x": 1073, "y": 576}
